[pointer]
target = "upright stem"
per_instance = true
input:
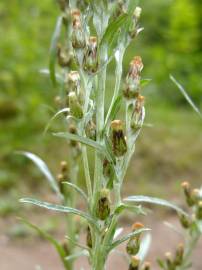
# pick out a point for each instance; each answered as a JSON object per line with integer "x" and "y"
{"x": 118, "y": 75}
{"x": 100, "y": 98}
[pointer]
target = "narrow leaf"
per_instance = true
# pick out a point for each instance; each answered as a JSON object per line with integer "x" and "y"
{"x": 144, "y": 82}
{"x": 112, "y": 30}
{"x": 60, "y": 208}
{"x": 127, "y": 237}
{"x": 153, "y": 200}
{"x": 144, "y": 247}
{"x": 48, "y": 237}
{"x": 80, "y": 139}
{"x": 118, "y": 232}
{"x": 135, "y": 209}
{"x": 78, "y": 189}
{"x": 77, "y": 255}
{"x": 44, "y": 169}
{"x": 187, "y": 97}
{"x": 54, "y": 117}
{"x": 53, "y": 49}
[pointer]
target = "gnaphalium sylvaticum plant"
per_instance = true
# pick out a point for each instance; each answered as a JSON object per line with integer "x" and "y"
{"x": 78, "y": 69}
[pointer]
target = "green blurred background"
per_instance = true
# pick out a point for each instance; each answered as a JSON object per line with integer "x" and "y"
{"x": 167, "y": 152}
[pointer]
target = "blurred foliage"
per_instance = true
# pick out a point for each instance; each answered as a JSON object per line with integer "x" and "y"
{"x": 170, "y": 43}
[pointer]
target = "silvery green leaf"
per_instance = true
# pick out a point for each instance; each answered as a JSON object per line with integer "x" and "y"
{"x": 135, "y": 209}
{"x": 44, "y": 169}
{"x": 83, "y": 140}
{"x": 54, "y": 117}
{"x": 46, "y": 72}
{"x": 78, "y": 189}
{"x": 187, "y": 97}
{"x": 144, "y": 82}
{"x": 117, "y": 232}
{"x": 48, "y": 237}
{"x": 77, "y": 255}
{"x": 153, "y": 200}
{"x": 112, "y": 30}
{"x": 60, "y": 208}
{"x": 144, "y": 246}
{"x": 127, "y": 237}
{"x": 172, "y": 227}
{"x": 53, "y": 49}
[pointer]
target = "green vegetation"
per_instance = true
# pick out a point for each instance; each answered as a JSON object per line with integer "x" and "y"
{"x": 171, "y": 43}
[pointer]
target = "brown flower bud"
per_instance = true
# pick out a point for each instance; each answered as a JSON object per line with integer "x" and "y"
{"x": 137, "y": 226}
{"x": 64, "y": 166}
{"x": 89, "y": 238}
{"x": 103, "y": 208}
{"x": 74, "y": 105}
{"x": 90, "y": 62}
{"x": 133, "y": 245}
{"x": 107, "y": 170}
{"x": 132, "y": 85}
{"x": 188, "y": 193}
{"x": 64, "y": 56}
{"x": 134, "y": 26}
{"x": 136, "y": 119}
{"x": 61, "y": 178}
{"x": 65, "y": 247}
{"x": 118, "y": 139}
{"x": 195, "y": 194}
{"x": 78, "y": 37}
{"x": 179, "y": 255}
{"x": 73, "y": 130}
{"x": 147, "y": 266}
{"x": 91, "y": 130}
{"x": 58, "y": 101}
{"x": 169, "y": 261}
{"x": 199, "y": 210}
{"x": 134, "y": 265}
{"x": 185, "y": 221}
{"x": 72, "y": 82}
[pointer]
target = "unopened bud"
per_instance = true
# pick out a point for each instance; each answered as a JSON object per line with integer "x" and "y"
{"x": 134, "y": 26}
{"x": 58, "y": 101}
{"x": 118, "y": 139}
{"x": 135, "y": 262}
{"x": 91, "y": 130}
{"x": 132, "y": 85}
{"x": 61, "y": 178}
{"x": 74, "y": 105}
{"x": 78, "y": 37}
{"x": 169, "y": 262}
{"x": 90, "y": 62}
{"x": 103, "y": 208}
{"x": 65, "y": 247}
{"x": 64, "y": 57}
{"x": 196, "y": 195}
{"x": 187, "y": 192}
{"x": 72, "y": 82}
{"x": 147, "y": 266}
{"x": 179, "y": 255}
{"x": 137, "y": 13}
{"x": 63, "y": 165}
{"x": 89, "y": 238}
{"x": 107, "y": 170}
{"x": 73, "y": 130}
{"x": 133, "y": 245}
{"x": 136, "y": 119}
{"x": 185, "y": 221}
{"x": 199, "y": 210}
